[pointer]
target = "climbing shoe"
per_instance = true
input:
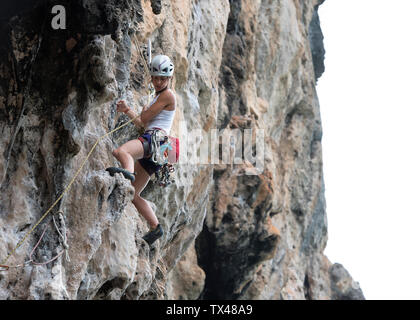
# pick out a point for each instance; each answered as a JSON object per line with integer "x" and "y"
{"x": 128, "y": 175}
{"x": 153, "y": 235}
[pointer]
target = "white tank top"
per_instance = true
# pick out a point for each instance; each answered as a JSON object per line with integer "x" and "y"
{"x": 163, "y": 119}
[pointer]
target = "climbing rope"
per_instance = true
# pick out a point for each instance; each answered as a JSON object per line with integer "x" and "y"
{"x": 36, "y": 246}
{"x": 31, "y": 260}
{"x": 3, "y": 263}
{"x": 146, "y": 66}
{"x": 3, "y": 266}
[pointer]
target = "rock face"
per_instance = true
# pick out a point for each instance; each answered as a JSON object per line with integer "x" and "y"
{"x": 243, "y": 220}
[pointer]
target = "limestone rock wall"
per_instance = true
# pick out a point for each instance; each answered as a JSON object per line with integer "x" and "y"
{"x": 232, "y": 231}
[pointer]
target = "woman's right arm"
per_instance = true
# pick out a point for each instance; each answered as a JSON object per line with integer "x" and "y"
{"x": 123, "y": 107}
{"x": 131, "y": 114}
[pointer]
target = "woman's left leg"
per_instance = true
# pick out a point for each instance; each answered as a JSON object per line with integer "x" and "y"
{"x": 142, "y": 206}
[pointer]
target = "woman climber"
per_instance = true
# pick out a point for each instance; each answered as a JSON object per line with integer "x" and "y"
{"x": 135, "y": 155}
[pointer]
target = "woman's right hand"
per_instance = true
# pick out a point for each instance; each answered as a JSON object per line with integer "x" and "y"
{"x": 122, "y": 106}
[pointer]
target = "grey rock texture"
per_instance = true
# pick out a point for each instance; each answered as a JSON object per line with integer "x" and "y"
{"x": 316, "y": 41}
{"x": 231, "y": 231}
{"x": 343, "y": 287}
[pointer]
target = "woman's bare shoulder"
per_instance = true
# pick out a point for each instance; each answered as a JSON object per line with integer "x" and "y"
{"x": 168, "y": 94}
{"x": 169, "y": 97}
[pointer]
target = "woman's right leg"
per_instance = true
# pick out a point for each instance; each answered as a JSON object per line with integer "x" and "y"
{"x": 142, "y": 206}
{"x": 128, "y": 153}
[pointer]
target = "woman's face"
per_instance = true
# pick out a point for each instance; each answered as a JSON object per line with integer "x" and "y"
{"x": 160, "y": 82}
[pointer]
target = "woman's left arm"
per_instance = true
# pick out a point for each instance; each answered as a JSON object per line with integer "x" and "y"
{"x": 165, "y": 99}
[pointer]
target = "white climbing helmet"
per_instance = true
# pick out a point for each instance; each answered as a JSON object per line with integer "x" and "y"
{"x": 161, "y": 66}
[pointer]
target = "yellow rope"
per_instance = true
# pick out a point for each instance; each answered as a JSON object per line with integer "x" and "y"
{"x": 2, "y": 264}
{"x": 65, "y": 190}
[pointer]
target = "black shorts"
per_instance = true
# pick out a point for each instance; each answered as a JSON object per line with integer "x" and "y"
{"x": 146, "y": 163}
{"x": 149, "y": 166}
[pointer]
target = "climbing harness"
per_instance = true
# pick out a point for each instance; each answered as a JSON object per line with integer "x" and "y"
{"x": 158, "y": 147}
{"x": 162, "y": 151}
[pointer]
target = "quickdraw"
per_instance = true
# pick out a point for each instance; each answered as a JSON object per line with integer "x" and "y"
{"x": 164, "y": 175}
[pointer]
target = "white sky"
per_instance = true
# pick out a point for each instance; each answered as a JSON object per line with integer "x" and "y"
{"x": 370, "y": 113}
